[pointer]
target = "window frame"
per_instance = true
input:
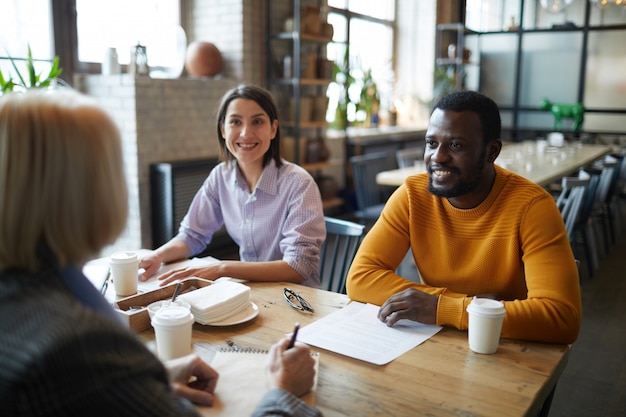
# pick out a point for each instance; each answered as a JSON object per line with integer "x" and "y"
{"x": 65, "y": 34}
{"x": 348, "y": 15}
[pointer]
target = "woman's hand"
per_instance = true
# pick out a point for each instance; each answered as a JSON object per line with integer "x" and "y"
{"x": 291, "y": 369}
{"x": 173, "y": 250}
{"x": 151, "y": 264}
{"x": 210, "y": 272}
{"x": 192, "y": 378}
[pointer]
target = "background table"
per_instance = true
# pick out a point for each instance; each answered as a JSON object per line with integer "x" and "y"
{"x": 540, "y": 165}
{"x": 440, "y": 377}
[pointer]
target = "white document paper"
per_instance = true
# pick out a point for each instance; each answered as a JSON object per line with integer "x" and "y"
{"x": 356, "y": 331}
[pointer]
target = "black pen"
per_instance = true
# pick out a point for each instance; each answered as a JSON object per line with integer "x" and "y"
{"x": 105, "y": 284}
{"x": 292, "y": 342}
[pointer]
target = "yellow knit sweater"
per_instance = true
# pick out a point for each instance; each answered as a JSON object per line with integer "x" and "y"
{"x": 513, "y": 244}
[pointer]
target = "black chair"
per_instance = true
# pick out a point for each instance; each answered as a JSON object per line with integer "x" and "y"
{"x": 407, "y": 157}
{"x": 608, "y": 210}
{"x": 370, "y": 197}
{"x": 585, "y": 227}
{"x": 342, "y": 241}
{"x": 173, "y": 184}
{"x": 570, "y": 201}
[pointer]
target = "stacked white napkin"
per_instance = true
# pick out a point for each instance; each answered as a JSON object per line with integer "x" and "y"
{"x": 217, "y": 302}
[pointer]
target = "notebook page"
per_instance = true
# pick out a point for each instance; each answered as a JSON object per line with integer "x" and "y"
{"x": 242, "y": 382}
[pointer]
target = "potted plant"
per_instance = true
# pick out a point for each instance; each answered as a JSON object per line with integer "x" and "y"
{"x": 32, "y": 79}
{"x": 342, "y": 76}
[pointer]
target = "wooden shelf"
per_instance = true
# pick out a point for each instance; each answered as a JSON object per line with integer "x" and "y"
{"x": 309, "y": 75}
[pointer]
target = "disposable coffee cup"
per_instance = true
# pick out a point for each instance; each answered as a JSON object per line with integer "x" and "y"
{"x": 485, "y": 324}
{"x": 172, "y": 328}
{"x": 124, "y": 270}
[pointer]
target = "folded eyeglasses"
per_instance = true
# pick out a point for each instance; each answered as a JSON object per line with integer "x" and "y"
{"x": 293, "y": 297}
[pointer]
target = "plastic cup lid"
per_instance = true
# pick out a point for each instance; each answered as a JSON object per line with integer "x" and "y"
{"x": 486, "y": 307}
{"x": 123, "y": 257}
{"x": 172, "y": 315}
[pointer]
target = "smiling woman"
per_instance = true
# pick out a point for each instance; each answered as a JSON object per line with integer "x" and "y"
{"x": 271, "y": 208}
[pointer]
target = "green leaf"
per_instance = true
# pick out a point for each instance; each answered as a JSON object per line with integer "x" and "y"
{"x": 35, "y": 80}
{"x": 17, "y": 71}
{"x": 31, "y": 69}
{"x": 55, "y": 71}
{"x": 6, "y": 85}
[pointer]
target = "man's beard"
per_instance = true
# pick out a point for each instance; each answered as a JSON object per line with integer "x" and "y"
{"x": 462, "y": 187}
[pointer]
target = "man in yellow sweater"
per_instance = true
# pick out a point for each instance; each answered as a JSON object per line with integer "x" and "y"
{"x": 474, "y": 229}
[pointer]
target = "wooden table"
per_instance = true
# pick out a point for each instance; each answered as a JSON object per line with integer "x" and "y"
{"x": 542, "y": 166}
{"x": 440, "y": 377}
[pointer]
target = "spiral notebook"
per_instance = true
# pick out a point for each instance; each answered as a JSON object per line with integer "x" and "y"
{"x": 242, "y": 382}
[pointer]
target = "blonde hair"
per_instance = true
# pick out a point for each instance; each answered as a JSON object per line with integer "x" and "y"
{"x": 62, "y": 182}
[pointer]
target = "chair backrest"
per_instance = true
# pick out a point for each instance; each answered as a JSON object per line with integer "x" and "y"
{"x": 364, "y": 170}
{"x": 570, "y": 201}
{"x": 407, "y": 157}
{"x": 607, "y": 176}
{"x": 342, "y": 241}
{"x": 615, "y": 182}
{"x": 589, "y": 198}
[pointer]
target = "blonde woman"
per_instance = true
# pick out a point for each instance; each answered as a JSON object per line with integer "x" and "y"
{"x": 62, "y": 348}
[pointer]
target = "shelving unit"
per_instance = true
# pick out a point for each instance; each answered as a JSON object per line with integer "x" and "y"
{"x": 298, "y": 75}
{"x": 446, "y": 34}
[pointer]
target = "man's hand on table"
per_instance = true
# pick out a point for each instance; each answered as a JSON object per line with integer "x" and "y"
{"x": 410, "y": 304}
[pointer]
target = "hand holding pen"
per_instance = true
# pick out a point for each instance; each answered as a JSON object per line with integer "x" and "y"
{"x": 294, "y": 335}
{"x": 291, "y": 367}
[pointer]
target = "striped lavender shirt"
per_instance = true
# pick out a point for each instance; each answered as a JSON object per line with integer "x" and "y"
{"x": 282, "y": 218}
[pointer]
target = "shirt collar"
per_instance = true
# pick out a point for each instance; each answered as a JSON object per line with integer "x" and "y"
{"x": 268, "y": 181}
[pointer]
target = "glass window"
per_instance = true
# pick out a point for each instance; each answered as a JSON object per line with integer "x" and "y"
{"x": 550, "y": 67}
{"x": 24, "y": 23}
{"x": 606, "y": 13}
{"x": 121, "y": 24}
{"x": 553, "y": 14}
{"x": 380, "y": 9}
{"x": 604, "y": 77}
{"x": 497, "y": 67}
{"x": 366, "y": 30}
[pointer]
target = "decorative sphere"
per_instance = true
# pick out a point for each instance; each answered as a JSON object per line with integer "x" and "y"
{"x": 203, "y": 59}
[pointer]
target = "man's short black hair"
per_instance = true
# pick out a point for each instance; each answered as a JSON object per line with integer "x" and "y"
{"x": 487, "y": 110}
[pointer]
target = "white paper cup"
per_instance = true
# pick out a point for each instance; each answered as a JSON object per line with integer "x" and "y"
{"x": 485, "y": 324}
{"x": 172, "y": 328}
{"x": 124, "y": 270}
{"x": 157, "y": 305}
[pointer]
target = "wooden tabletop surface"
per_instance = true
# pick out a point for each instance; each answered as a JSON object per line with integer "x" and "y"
{"x": 540, "y": 165}
{"x": 440, "y": 377}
